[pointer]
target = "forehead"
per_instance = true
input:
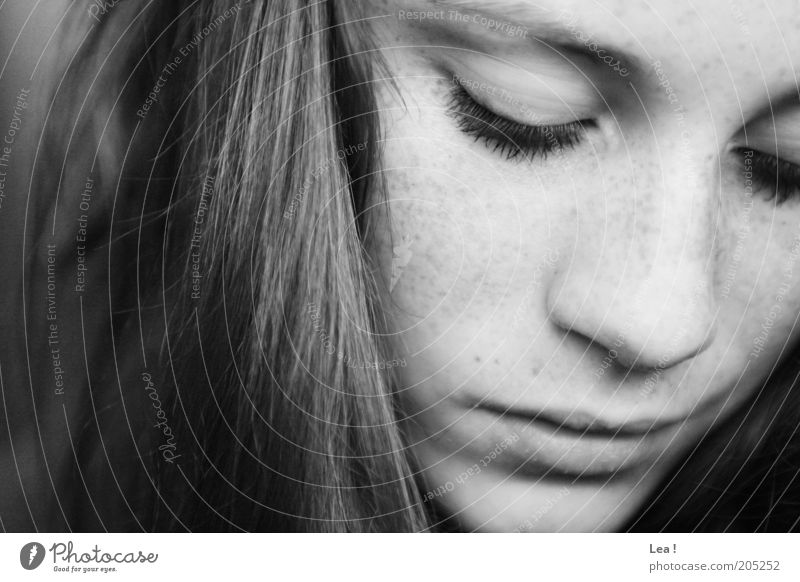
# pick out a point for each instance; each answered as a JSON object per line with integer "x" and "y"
{"x": 750, "y": 47}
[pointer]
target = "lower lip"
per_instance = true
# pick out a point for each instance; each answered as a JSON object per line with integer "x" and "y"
{"x": 530, "y": 448}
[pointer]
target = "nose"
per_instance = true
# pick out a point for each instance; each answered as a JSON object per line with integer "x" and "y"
{"x": 639, "y": 283}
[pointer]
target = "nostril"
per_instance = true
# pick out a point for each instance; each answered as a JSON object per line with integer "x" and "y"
{"x": 643, "y": 360}
{"x": 635, "y": 330}
{"x": 663, "y": 342}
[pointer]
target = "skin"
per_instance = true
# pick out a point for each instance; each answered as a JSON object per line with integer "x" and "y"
{"x": 637, "y": 280}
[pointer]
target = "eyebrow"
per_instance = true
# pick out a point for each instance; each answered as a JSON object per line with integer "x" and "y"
{"x": 545, "y": 25}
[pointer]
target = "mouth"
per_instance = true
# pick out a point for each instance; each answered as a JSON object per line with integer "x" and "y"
{"x": 583, "y": 424}
{"x": 570, "y": 447}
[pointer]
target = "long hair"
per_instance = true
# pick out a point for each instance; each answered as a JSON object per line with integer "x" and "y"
{"x": 282, "y": 152}
{"x": 251, "y": 157}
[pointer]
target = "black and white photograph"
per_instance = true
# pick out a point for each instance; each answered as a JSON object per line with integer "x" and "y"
{"x": 400, "y": 266}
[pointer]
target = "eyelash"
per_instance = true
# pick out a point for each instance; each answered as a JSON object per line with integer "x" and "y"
{"x": 511, "y": 138}
{"x": 780, "y": 178}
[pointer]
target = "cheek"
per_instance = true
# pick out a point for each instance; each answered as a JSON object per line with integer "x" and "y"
{"x": 460, "y": 258}
{"x": 438, "y": 251}
{"x": 432, "y": 242}
{"x": 758, "y": 282}
{"x": 462, "y": 234}
{"x": 467, "y": 266}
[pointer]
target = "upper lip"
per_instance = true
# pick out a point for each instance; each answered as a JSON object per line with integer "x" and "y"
{"x": 583, "y": 423}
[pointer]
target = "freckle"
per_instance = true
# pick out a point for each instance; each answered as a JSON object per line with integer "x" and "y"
{"x": 535, "y": 371}
{"x": 497, "y": 362}
{"x": 477, "y": 359}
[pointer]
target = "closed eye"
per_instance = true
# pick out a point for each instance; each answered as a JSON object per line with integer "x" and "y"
{"x": 781, "y": 179}
{"x": 510, "y": 138}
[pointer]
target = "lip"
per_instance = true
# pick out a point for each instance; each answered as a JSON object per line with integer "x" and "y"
{"x": 584, "y": 424}
{"x": 581, "y": 449}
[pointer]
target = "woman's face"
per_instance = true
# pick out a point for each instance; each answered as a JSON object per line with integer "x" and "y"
{"x": 592, "y": 247}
